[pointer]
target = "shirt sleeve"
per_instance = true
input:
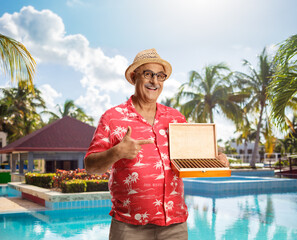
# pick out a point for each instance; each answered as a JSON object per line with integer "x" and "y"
{"x": 183, "y": 119}
{"x": 179, "y": 117}
{"x": 101, "y": 137}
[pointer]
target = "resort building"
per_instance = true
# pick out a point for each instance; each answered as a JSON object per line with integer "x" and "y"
{"x": 245, "y": 152}
{"x": 3, "y": 136}
{"x": 59, "y": 145}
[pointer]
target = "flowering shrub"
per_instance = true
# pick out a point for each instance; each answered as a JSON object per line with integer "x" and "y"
{"x": 69, "y": 181}
{"x": 63, "y": 175}
{"x": 44, "y": 180}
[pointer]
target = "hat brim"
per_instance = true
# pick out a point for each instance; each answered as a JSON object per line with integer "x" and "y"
{"x": 133, "y": 66}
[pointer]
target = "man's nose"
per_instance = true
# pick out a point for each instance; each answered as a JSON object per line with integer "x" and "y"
{"x": 154, "y": 79}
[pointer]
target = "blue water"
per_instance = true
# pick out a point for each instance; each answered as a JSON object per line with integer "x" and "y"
{"x": 261, "y": 216}
{"x": 6, "y": 191}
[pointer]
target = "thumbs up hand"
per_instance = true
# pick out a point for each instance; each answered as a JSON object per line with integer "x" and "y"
{"x": 129, "y": 147}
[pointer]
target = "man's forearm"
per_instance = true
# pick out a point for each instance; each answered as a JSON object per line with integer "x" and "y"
{"x": 99, "y": 163}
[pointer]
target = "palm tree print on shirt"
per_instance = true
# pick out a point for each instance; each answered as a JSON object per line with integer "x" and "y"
{"x": 158, "y": 203}
{"x": 106, "y": 128}
{"x": 123, "y": 111}
{"x": 165, "y": 158}
{"x": 157, "y": 166}
{"x": 132, "y": 178}
{"x": 127, "y": 204}
{"x": 139, "y": 159}
{"x": 119, "y": 132}
{"x": 168, "y": 207}
{"x": 174, "y": 185}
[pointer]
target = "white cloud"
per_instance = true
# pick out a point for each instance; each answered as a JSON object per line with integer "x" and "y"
{"x": 271, "y": 49}
{"x": 49, "y": 95}
{"x": 94, "y": 103}
{"x": 43, "y": 33}
{"x": 170, "y": 89}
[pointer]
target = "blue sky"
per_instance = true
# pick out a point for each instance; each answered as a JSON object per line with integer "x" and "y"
{"x": 83, "y": 47}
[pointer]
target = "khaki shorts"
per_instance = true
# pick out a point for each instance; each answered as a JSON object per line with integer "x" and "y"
{"x": 124, "y": 231}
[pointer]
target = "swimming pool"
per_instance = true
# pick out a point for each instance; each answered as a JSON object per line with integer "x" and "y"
{"x": 260, "y": 216}
{"x": 6, "y": 191}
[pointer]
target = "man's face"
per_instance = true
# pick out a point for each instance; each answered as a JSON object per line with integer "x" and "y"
{"x": 146, "y": 88}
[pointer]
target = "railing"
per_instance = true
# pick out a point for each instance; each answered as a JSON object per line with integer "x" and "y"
{"x": 245, "y": 158}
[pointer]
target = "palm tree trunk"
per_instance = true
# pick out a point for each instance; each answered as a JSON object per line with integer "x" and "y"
{"x": 256, "y": 147}
{"x": 245, "y": 158}
{"x": 211, "y": 116}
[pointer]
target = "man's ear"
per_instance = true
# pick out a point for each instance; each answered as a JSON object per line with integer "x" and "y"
{"x": 133, "y": 77}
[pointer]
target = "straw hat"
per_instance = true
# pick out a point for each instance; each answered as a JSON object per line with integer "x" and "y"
{"x": 147, "y": 56}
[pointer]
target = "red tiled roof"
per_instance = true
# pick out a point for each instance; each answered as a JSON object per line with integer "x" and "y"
{"x": 65, "y": 134}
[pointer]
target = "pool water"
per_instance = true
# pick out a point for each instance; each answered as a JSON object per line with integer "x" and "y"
{"x": 6, "y": 191}
{"x": 261, "y": 216}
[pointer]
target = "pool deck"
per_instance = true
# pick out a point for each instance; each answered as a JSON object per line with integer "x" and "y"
{"x": 33, "y": 198}
{"x": 12, "y": 205}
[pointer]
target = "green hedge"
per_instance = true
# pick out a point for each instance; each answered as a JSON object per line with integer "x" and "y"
{"x": 73, "y": 186}
{"x": 44, "y": 180}
{"x": 68, "y": 181}
{"x": 5, "y": 177}
{"x": 97, "y": 185}
{"x": 78, "y": 185}
{"x": 283, "y": 163}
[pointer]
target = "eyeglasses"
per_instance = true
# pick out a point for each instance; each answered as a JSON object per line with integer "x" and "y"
{"x": 148, "y": 74}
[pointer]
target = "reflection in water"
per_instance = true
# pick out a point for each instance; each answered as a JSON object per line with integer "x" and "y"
{"x": 266, "y": 216}
{"x": 74, "y": 224}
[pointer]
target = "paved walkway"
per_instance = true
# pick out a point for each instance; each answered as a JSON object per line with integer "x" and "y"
{"x": 17, "y": 204}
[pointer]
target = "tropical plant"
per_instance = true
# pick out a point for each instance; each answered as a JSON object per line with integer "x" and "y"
{"x": 18, "y": 111}
{"x": 16, "y": 60}
{"x": 286, "y": 146}
{"x": 228, "y": 148}
{"x": 283, "y": 88}
{"x": 169, "y": 102}
{"x": 246, "y": 133}
{"x": 256, "y": 83}
{"x": 289, "y": 143}
{"x": 206, "y": 93}
{"x": 270, "y": 139}
{"x": 69, "y": 109}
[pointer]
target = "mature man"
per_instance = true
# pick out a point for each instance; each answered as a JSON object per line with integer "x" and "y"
{"x": 132, "y": 140}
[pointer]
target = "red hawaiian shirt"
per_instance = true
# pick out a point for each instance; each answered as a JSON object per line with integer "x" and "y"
{"x": 144, "y": 189}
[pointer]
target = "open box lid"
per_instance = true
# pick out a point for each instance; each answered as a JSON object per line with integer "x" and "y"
{"x": 192, "y": 141}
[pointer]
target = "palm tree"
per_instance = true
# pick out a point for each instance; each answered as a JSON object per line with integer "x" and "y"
{"x": 283, "y": 88}
{"x": 247, "y": 133}
{"x": 72, "y": 110}
{"x": 16, "y": 60}
{"x": 257, "y": 82}
{"x": 18, "y": 111}
{"x": 270, "y": 139}
{"x": 169, "y": 102}
{"x": 212, "y": 91}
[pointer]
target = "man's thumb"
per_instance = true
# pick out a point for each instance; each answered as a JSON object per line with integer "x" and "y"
{"x": 129, "y": 131}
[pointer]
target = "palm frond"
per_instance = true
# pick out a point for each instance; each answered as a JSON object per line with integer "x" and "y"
{"x": 16, "y": 60}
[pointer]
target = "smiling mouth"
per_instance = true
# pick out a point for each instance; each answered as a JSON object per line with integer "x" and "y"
{"x": 152, "y": 87}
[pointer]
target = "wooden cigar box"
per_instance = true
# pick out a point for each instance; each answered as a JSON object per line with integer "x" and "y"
{"x": 193, "y": 150}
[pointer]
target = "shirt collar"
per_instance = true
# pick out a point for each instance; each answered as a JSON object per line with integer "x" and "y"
{"x": 160, "y": 108}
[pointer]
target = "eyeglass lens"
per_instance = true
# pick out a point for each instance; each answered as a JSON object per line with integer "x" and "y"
{"x": 150, "y": 75}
